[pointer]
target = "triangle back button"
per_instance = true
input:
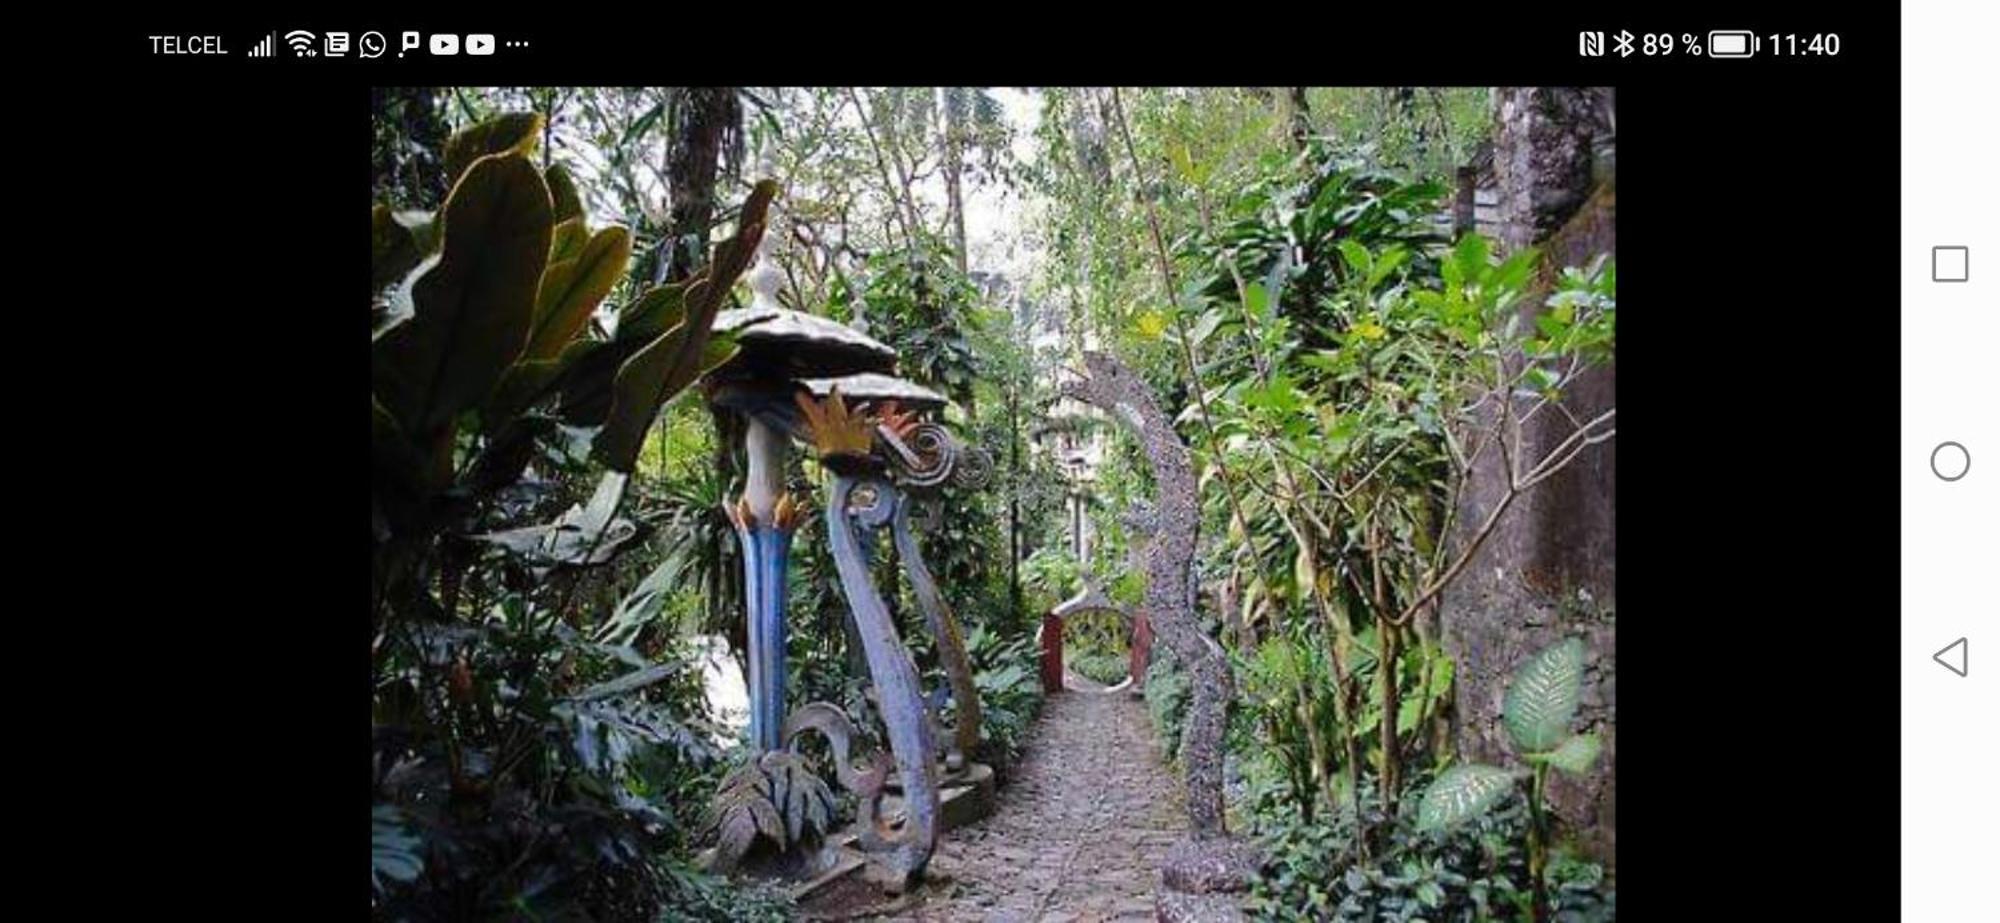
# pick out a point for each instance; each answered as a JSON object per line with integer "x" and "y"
{"x": 1953, "y": 657}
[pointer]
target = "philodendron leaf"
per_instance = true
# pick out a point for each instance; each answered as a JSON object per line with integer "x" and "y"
{"x": 571, "y": 289}
{"x": 474, "y": 308}
{"x": 515, "y": 132}
{"x": 562, "y": 193}
{"x": 1576, "y": 754}
{"x": 1460, "y": 794}
{"x": 1542, "y": 699}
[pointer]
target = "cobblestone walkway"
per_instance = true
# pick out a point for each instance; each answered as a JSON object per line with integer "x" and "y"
{"x": 1080, "y": 832}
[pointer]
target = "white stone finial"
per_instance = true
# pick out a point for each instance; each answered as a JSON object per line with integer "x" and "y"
{"x": 766, "y": 278}
{"x": 860, "y": 321}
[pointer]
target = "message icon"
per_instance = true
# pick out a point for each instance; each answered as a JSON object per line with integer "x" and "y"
{"x": 410, "y": 40}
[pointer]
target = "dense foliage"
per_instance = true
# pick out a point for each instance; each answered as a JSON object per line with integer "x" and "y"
{"x": 1340, "y": 363}
{"x": 557, "y": 593}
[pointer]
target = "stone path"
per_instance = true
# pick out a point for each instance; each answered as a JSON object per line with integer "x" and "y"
{"x": 1080, "y": 831}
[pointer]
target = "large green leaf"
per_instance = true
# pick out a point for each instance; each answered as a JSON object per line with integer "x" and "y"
{"x": 567, "y": 242}
{"x": 1542, "y": 699}
{"x": 660, "y": 309}
{"x": 515, "y": 132}
{"x": 393, "y": 455}
{"x": 397, "y": 851}
{"x": 395, "y": 250}
{"x": 653, "y": 376}
{"x": 571, "y": 290}
{"x": 562, "y": 192}
{"x": 474, "y": 307}
{"x": 677, "y": 357}
{"x": 585, "y": 383}
{"x": 1460, "y": 794}
{"x": 524, "y": 382}
{"x": 1576, "y": 754}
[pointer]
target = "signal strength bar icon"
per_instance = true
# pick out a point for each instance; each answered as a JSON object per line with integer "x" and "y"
{"x": 265, "y": 48}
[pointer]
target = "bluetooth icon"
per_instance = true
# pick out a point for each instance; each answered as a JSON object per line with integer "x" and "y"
{"x": 1624, "y": 46}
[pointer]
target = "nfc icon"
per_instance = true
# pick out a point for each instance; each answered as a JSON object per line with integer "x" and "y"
{"x": 1590, "y": 44}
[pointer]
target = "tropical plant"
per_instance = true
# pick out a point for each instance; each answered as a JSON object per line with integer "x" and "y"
{"x": 522, "y": 769}
{"x": 1010, "y": 690}
{"x": 1168, "y": 692}
{"x": 1472, "y": 873}
{"x": 1540, "y": 704}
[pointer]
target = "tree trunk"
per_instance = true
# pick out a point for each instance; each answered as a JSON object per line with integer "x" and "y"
{"x": 1014, "y": 497}
{"x": 707, "y": 116}
{"x": 955, "y": 101}
{"x": 1549, "y": 568}
{"x": 1301, "y": 117}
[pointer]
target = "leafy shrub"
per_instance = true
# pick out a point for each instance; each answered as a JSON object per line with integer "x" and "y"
{"x": 522, "y": 769}
{"x": 1010, "y": 690}
{"x": 1050, "y": 575}
{"x": 1167, "y": 693}
{"x": 1108, "y": 669}
{"x": 693, "y": 895}
{"x": 1540, "y": 703}
{"x": 1474, "y": 872}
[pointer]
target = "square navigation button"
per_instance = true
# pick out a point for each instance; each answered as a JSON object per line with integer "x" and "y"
{"x": 1950, "y": 264}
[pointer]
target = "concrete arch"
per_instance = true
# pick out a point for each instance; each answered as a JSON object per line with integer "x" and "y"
{"x": 1090, "y": 600}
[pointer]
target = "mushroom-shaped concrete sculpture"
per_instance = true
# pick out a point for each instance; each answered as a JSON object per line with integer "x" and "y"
{"x": 921, "y": 456}
{"x": 778, "y": 350}
{"x": 777, "y": 346}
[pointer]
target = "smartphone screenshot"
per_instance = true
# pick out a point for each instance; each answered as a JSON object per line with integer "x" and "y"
{"x": 1042, "y": 471}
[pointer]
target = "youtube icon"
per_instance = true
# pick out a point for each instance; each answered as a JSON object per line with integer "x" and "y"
{"x": 479, "y": 44}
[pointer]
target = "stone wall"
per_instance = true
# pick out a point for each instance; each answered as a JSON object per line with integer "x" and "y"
{"x": 1550, "y": 567}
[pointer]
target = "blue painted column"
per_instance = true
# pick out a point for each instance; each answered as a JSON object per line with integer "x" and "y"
{"x": 764, "y": 520}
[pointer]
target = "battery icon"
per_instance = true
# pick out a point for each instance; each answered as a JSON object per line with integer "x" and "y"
{"x": 1732, "y": 44}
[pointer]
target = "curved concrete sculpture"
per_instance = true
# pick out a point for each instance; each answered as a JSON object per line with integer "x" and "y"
{"x": 921, "y": 456}
{"x": 895, "y": 675}
{"x": 1202, "y": 874}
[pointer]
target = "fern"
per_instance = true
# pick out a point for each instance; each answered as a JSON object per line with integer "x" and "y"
{"x": 776, "y": 798}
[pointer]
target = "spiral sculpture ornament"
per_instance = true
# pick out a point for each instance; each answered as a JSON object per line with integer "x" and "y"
{"x": 922, "y": 455}
{"x": 974, "y": 468}
{"x": 872, "y": 504}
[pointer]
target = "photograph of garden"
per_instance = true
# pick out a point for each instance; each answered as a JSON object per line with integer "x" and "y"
{"x": 957, "y": 503}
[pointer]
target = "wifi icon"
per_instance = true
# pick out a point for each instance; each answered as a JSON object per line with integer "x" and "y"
{"x": 301, "y": 42}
